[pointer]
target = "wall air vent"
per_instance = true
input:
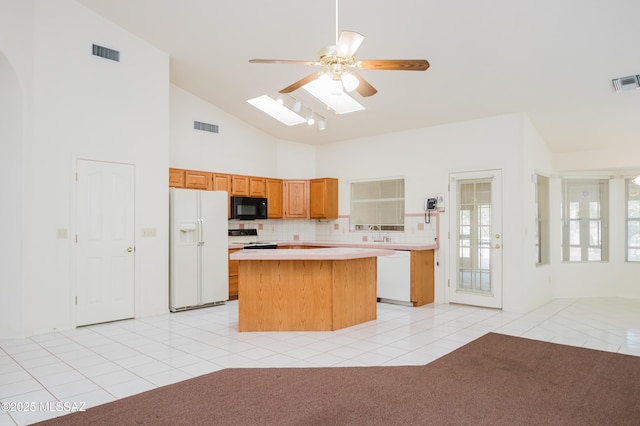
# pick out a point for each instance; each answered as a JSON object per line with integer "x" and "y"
{"x": 213, "y": 128}
{"x": 105, "y": 52}
{"x": 630, "y": 82}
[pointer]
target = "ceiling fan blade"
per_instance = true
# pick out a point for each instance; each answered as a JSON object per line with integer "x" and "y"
{"x": 394, "y": 64}
{"x": 364, "y": 88}
{"x": 298, "y": 84}
{"x": 281, "y": 61}
{"x": 348, "y": 43}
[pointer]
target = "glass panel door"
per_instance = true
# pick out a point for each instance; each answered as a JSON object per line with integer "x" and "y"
{"x": 476, "y": 239}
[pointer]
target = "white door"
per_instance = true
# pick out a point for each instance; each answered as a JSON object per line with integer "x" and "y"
{"x": 476, "y": 238}
{"x": 105, "y": 242}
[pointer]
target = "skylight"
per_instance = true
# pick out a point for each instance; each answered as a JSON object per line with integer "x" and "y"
{"x": 276, "y": 110}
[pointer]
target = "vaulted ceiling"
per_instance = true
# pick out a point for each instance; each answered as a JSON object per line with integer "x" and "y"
{"x": 551, "y": 59}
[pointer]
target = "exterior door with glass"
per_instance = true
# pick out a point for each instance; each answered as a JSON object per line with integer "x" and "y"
{"x": 475, "y": 234}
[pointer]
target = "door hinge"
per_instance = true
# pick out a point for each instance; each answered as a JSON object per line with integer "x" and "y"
{"x": 76, "y": 238}
{"x": 448, "y": 187}
{"x": 448, "y": 235}
{"x": 76, "y": 176}
{"x": 76, "y": 300}
{"x": 448, "y": 283}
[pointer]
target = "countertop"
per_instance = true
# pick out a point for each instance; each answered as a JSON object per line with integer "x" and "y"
{"x": 334, "y": 253}
{"x": 343, "y": 244}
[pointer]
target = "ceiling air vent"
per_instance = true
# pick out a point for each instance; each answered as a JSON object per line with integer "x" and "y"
{"x": 205, "y": 127}
{"x": 630, "y": 82}
{"x": 105, "y": 52}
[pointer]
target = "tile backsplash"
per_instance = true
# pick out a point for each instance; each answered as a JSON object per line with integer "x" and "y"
{"x": 416, "y": 230}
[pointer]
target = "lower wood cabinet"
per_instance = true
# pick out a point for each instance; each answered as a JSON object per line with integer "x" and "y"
{"x": 407, "y": 276}
{"x": 422, "y": 277}
{"x": 233, "y": 276}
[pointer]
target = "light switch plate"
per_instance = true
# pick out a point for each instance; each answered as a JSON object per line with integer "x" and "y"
{"x": 149, "y": 232}
{"x": 62, "y": 233}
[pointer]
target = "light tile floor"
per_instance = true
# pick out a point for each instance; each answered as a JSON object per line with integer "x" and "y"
{"x": 52, "y": 374}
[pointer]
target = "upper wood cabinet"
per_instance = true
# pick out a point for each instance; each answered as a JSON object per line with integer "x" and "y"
{"x": 257, "y": 187}
{"x": 222, "y": 182}
{"x": 248, "y": 186}
{"x": 195, "y": 179}
{"x": 323, "y": 198}
{"x": 240, "y": 185}
{"x": 176, "y": 178}
{"x": 273, "y": 192}
{"x": 296, "y": 199}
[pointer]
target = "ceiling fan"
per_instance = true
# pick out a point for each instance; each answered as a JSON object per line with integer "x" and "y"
{"x": 338, "y": 63}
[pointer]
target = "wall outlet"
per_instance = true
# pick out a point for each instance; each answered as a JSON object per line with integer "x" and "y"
{"x": 62, "y": 233}
{"x": 149, "y": 232}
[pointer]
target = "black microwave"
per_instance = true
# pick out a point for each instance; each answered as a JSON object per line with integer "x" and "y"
{"x": 248, "y": 208}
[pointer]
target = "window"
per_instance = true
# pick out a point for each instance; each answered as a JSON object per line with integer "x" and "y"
{"x": 377, "y": 205}
{"x": 585, "y": 220}
{"x": 542, "y": 220}
{"x": 633, "y": 221}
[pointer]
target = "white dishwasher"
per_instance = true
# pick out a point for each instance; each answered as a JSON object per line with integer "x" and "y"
{"x": 394, "y": 277}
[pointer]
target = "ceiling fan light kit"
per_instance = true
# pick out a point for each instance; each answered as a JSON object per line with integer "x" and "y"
{"x": 338, "y": 64}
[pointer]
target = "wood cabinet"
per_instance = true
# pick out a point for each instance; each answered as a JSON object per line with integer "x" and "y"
{"x": 273, "y": 192}
{"x": 292, "y": 199}
{"x": 233, "y": 276}
{"x": 306, "y": 295}
{"x": 222, "y": 182}
{"x": 240, "y": 185}
{"x": 257, "y": 187}
{"x": 406, "y": 277}
{"x": 323, "y": 198}
{"x": 422, "y": 277}
{"x": 248, "y": 186}
{"x": 176, "y": 178}
{"x": 296, "y": 199}
{"x": 195, "y": 179}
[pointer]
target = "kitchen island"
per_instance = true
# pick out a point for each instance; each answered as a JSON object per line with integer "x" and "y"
{"x": 320, "y": 289}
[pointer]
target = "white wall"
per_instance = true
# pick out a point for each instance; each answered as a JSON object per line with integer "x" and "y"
{"x": 535, "y": 286}
{"x": 16, "y": 72}
{"x": 237, "y": 148}
{"x": 82, "y": 106}
{"x": 425, "y": 157}
{"x": 11, "y": 175}
{"x": 615, "y": 278}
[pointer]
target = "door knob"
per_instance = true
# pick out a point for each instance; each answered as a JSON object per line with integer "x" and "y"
{"x": 497, "y": 235}
{"x": 129, "y": 249}
{"x": 497, "y": 246}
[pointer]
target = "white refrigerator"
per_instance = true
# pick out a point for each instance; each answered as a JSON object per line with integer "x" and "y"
{"x": 198, "y": 248}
